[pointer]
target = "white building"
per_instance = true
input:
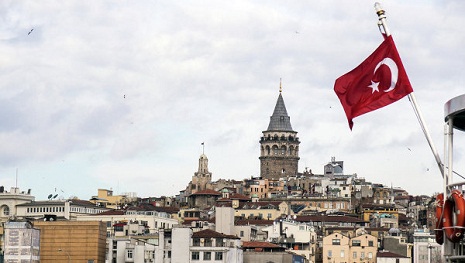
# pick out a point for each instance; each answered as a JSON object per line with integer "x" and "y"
{"x": 132, "y": 222}
{"x": 53, "y": 209}
{"x": 425, "y": 248}
{"x": 298, "y": 237}
{"x": 9, "y": 201}
{"x": 178, "y": 245}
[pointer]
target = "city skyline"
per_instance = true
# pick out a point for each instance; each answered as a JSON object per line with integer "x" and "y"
{"x": 121, "y": 95}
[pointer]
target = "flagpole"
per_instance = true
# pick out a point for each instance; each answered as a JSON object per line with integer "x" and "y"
{"x": 382, "y": 22}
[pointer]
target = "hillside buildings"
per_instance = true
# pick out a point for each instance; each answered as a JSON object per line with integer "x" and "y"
{"x": 283, "y": 215}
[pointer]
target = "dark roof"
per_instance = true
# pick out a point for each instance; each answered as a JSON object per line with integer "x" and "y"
{"x": 207, "y": 233}
{"x": 254, "y": 222}
{"x": 188, "y": 222}
{"x": 81, "y": 202}
{"x": 111, "y": 213}
{"x": 167, "y": 209}
{"x": 387, "y": 254}
{"x": 378, "y": 206}
{"x": 258, "y": 244}
{"x": 348, "y": 228}
{"x": 207, "y": 192}
{"x": 260, "y": 205}
{"x": 77, "y": 202}
{"x": 280, "y": 121}
{"x": 235, "y": 196}
{"x": 320, "y": 218}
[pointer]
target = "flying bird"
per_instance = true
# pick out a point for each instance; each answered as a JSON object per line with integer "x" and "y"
{"x": 30, "y": 32}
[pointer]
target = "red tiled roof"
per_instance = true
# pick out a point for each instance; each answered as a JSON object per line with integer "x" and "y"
{"x": 258, "y": 244}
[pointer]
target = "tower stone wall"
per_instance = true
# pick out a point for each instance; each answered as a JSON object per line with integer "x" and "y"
{"x": 279, "y": 145}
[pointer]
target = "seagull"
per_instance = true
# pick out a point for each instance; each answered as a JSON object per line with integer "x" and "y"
{"x": 409, "y": 149}
{"x": 30, "y": 32}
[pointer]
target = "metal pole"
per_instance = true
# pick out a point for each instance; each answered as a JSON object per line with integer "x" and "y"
{"x": 382, "y": 22}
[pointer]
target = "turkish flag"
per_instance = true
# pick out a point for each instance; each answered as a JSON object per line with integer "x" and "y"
{"x": 379, "y": 81}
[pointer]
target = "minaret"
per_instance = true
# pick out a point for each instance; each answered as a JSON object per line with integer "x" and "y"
{"x": 279, "y": 145}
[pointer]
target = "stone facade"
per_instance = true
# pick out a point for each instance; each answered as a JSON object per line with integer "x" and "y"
{"x": 279, "y": 145}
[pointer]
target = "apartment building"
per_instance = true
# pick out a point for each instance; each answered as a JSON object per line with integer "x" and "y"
{"x": 338, "y": 248}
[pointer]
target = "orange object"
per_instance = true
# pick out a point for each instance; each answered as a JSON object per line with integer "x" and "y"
{"x": 454, "y": 206}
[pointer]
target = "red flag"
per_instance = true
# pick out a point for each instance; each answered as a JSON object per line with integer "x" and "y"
{"x": 379, "y": 81}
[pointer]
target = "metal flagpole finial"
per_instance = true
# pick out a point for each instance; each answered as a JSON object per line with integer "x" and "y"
{"x": 379, "y": 10}
{"x": 382, "y": 19}
{"x": 280, "y": 86}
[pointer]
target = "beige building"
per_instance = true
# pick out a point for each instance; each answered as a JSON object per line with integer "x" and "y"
{"x": 268, "y": 210}
{"x": 338, "y": 248}
{"x": 72, "y": 241}
{"x": 105, "y": 198}
{"x": 381, "y": 215}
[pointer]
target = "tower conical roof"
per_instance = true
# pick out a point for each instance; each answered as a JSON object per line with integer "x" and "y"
{"x": 280, "y": 121}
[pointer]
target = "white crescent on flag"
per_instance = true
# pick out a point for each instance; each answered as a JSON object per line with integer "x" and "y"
{"x": 394, "y": 71}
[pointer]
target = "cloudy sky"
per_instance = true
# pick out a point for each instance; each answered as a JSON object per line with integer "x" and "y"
{"x": 121, "y": 94}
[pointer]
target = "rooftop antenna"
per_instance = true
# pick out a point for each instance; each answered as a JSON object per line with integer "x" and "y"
{"x": 16, "y": 180}
{"x": 203, "y": 147}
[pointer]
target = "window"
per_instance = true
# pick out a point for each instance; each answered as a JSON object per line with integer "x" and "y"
{"x": 219, "y": 242}
{"x": 196, "y": 242}
{"x": 218, "y": 255}
{"x": 336, "y": 241}
{"x": 356, "y": 243}
{"x": 342, "y": 254}
{"x": 130, "y": 253}
{"x": 6, "y": 210}
{"x": 362, "y": 255}
{"x": 207, "y": 242}
{"x": 195, "y": 256}
{"x": 370, "y": 255}
{"x": 354, "y": 255}
{"x": 370, "y": 243}
{"x": 242, "y": 234}
{"x": 207, "y": 255}
{"x": 330, "y": 253}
